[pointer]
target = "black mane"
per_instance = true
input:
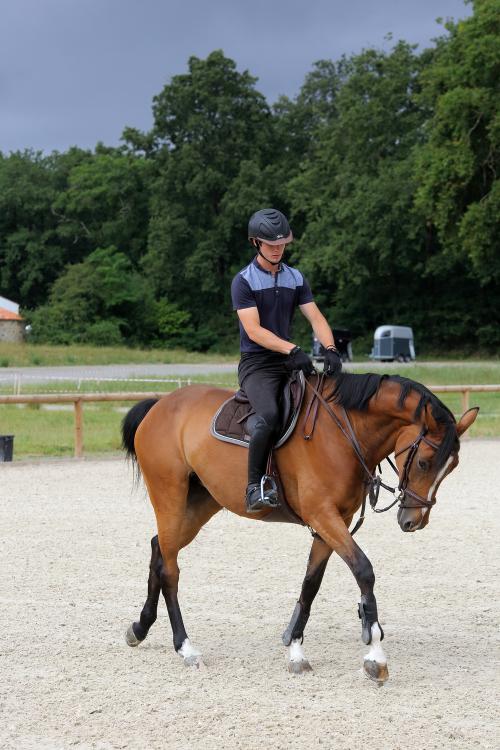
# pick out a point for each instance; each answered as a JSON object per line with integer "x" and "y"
{"x": 355, "y": 391}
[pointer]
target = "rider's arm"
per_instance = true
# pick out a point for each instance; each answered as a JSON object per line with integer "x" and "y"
{"x": 250, "y": 321}
{"x": 319, "y": 324}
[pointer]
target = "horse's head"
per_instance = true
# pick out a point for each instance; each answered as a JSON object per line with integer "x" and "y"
{"x": 425, "y": 454}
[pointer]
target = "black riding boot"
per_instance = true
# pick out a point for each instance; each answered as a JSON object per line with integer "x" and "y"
{"x": 260, "y": 494}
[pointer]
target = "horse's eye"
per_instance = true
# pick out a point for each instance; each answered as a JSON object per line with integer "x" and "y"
{"x": 423, "y": 464}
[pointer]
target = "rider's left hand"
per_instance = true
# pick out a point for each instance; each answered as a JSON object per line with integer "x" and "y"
{"x": 333, "y": 362}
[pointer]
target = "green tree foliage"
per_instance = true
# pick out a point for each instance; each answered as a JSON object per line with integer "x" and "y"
{"x": 31, "y": 255}
{"x": 106, "y": 202}
{"x": 355, "y": 191}
{"x": 459, "y": 193}
{"x": 458, "y": 166}
{"x": 213, "y": 133}
{"x": 100, "y": 300}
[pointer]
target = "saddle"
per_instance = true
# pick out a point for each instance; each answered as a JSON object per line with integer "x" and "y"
{"x": 234, "y": 421}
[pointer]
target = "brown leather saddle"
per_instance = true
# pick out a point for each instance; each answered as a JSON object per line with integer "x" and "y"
{"x": 233, "y": 423}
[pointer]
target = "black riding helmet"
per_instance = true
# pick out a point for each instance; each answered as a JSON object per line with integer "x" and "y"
{"x": 271, "y": 226}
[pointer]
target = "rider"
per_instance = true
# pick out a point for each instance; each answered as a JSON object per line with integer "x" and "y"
{"x": 265, "y": 294}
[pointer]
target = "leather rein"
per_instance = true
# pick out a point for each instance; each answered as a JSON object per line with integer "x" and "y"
{"x": 372, "y": 480}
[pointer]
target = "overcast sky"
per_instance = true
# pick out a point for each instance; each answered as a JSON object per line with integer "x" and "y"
{"x": 73, "y": 72}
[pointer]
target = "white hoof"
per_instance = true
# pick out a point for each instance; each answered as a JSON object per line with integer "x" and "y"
{"x": 131, "y": 637}
{"x": 297, "y": 662}
{"x": 191, "y": 656}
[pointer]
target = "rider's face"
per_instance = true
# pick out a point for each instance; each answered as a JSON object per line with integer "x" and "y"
{"x": 273, "y": 253}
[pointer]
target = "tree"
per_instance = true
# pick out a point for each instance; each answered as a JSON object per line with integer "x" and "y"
{"x": 102, "y": 289}
{"x": 213, "y": 135}
{"x": 355, "y": 191}
{"x": 458, "y": 166}
{"x": 31, "y": 253}
{"x": 106, "y": 201}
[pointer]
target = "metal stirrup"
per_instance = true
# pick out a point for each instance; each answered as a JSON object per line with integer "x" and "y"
{"x": 267, "y": 478}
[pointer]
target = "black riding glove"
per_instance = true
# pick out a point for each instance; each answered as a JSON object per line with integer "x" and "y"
{"x": 333, "y": 362}
{"x": 299, "y": 360}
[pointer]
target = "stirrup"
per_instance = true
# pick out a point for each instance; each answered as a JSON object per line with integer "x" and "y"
{"x": 268, "y": 498}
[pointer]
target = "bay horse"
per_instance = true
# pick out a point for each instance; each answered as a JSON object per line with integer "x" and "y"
{"x": 190, "y": 476}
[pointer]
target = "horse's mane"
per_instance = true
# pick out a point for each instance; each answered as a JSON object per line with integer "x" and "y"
{"x": 355, "y": 391}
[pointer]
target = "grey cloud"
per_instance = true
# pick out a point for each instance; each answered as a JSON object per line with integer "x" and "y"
{"x": 78, "y": 71}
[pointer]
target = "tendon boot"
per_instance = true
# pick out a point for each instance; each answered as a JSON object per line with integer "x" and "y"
{"x": 261, "y": 491}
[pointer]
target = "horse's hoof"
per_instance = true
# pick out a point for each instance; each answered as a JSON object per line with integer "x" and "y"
{"x": 191, "y": 656}
{"x": 131, "y": 638}
{"x": 299, "y": 667}
{"x": 375, "y": 671}
{"x": 196, "y": 661}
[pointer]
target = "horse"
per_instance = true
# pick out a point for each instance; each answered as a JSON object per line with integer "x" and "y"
{"x": 362, "y": 419}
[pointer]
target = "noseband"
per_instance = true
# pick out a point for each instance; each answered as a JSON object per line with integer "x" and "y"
{"x": 373, "y": 481}
{"x": 404, "y": 492}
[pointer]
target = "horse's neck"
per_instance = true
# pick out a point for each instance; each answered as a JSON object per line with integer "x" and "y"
{"x": 378, "y": 427}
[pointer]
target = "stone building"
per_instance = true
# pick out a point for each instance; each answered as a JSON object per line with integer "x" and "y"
{"x": 11, "y": 323}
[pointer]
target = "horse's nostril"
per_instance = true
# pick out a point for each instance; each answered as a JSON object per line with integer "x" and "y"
{"x": 408, "y": 526}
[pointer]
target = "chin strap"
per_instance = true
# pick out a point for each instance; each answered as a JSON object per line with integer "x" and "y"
{"x": 272, "y": 262}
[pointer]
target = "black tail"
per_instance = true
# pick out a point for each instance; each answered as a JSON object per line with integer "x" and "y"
{"x": 130, "y": 423}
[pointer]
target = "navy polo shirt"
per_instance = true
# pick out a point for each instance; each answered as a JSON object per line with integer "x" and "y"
{"x": 274, "y": 295}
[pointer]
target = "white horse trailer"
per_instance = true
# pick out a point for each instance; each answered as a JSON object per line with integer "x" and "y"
{"x": 393, "y": 343}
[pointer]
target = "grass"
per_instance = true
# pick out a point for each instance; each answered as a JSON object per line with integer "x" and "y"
{"x": 41, "y": 431}
{"x": 37, "y": 355}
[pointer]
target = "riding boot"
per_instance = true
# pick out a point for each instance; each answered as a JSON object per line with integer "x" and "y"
{"x": 258, "y": 495}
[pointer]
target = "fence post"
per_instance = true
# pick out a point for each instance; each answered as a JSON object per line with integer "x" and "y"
{"x": 465, "y": 400}
{"x": 78, "y": 428}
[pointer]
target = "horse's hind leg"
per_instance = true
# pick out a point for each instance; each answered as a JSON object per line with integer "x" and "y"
{"x": 138, "y": 631}
{"x": 177, "y": 531}
{"x": 294, "y": 634}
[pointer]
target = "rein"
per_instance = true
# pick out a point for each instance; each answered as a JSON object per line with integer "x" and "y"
{"x": 373, "y": 481}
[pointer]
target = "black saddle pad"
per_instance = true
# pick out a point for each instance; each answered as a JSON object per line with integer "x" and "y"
{"x": 233, "y": 421}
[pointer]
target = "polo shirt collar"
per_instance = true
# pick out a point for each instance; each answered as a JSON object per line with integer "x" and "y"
{"x": 256, "y": 263}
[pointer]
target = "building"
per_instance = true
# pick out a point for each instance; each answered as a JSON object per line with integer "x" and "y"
{"x": 11, "y": 323}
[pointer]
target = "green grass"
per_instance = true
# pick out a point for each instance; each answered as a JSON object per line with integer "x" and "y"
{"x": 39, "y": 432}
{"x": 36, "y": 355}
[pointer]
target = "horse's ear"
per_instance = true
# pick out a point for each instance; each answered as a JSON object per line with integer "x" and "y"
{"x": 467, "y": 418}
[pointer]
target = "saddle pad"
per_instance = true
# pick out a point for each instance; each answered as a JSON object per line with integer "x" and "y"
{"x": 230, "y": 423}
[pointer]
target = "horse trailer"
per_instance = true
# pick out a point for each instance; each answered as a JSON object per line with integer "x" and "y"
{"x": 393, "y": 343}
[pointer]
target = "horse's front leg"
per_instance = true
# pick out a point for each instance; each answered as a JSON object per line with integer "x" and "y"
{"x": 335, "y": 533}
{"x": 294, "y": 634}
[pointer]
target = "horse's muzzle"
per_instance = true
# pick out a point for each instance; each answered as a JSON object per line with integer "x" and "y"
{"x": 412, "y": 519}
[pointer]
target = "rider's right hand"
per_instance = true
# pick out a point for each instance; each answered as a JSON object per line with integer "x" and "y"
{"x": 299, "y": 360}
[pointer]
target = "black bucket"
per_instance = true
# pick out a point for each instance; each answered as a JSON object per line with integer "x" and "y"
{"x": 6, "y": 447}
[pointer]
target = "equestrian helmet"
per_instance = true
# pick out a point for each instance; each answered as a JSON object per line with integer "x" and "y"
{"x": 270, "y": 226}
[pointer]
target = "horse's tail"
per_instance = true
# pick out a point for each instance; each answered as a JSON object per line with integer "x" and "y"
{"x": 130, "y": 423}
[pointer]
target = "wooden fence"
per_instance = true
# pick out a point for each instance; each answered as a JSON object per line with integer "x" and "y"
{"x": 78, "y": 399}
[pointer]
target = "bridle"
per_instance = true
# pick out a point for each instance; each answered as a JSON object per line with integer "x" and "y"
{"x": 372, "y": 480}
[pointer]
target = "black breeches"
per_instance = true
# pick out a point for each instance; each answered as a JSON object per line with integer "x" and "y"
{"x": 264, "y": 389}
